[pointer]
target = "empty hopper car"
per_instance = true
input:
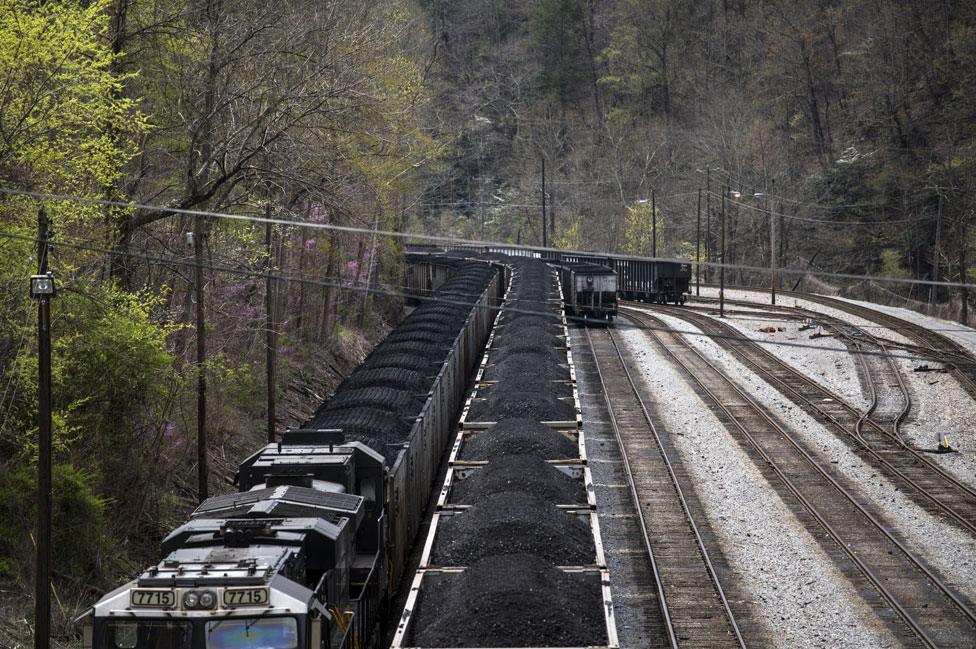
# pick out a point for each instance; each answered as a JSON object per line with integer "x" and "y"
{"x": 589, "y": 291}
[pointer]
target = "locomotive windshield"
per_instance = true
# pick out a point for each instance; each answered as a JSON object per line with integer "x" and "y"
{"x": 226, "y": 633}
{"x": 148, "y": 634}
{"x": 253, "y": 633}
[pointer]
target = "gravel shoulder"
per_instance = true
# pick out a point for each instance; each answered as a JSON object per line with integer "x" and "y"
{"x": 796, "y": 590}
{"x": 965, "y": 336}
{"x": 825, "y": 360}
{"x": 953, "y": 556}
{"x": 939, "y": 404}
{"x": 763, "y": 298}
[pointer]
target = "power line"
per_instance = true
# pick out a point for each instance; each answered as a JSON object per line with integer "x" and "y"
{"x": 437, "y": 299}
{"x": 499, "y": 245}
{"x": 793, "y": 217}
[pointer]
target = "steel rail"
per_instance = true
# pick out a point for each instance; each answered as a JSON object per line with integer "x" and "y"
{"x": 866, "y": 570}
{"x": 709, "y": 566}
{"x": 658, "y": 582}
{"x": 895, "y": 423}
{"x": 936, "y": 341}
{"x": 733, "y": 336}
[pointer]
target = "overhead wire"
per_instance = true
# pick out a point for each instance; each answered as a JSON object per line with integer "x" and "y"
{"x": 793, "y": 217}
{"x": 436, "y": 298}
{"x": 255, "y": 218}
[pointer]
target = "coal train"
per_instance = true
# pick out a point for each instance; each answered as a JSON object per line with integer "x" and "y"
{"x": 309, "y": 551}
{"x": 591, "y": 284}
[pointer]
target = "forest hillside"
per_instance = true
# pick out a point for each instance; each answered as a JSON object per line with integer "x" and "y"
{"x": 851, "y": 124}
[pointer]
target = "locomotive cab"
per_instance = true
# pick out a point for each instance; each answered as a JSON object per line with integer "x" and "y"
{"x": 290, "y": 562}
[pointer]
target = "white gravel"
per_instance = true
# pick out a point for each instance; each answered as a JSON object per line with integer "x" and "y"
{"x": 763, "y": 298}
{"x": 965, "y": 336}
{"x": 953, "y": 555}
{"x": 940, "y": 405}
{"x": 797, "y": 593}
{"x": 825, "y": 360}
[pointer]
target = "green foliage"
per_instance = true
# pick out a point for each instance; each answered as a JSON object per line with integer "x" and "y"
{"x": 66, "y": 125}
{"x": 570, "y": 236}
{"x": 891, "y": 265}
{"x": 80, "y": 543}
{"x": 638, "y": 232}
{"x": 558, "y": 29}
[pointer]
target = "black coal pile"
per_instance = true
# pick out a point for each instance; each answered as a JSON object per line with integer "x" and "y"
{"x": 527, "y": 400}
{"x": 509, "y": 601}
{"x": 529, "y": 368}
{"x": 545, "y": 335}
{"x": 398, "y": 379}
{"x": 378, "y": 403}
{"x": 513, "y": 522}
{"x": 519, "y": 345}
{"x": 399, "y": 402}
{"x": 519, "y": 437}
{"x": 526, "y": 473}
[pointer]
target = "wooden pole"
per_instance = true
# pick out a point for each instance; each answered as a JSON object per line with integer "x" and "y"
{"x": 698, "y": 247}
{"x": 653, "y": 224}
{"x": 773, "y": 261}
{"x": 933, "y": 290}
{"x": 708, "y": 219}
{"x": 42, "y": 602}
{"x": 271, "y": 334}
{"x": 545, "y": 238}
{"x": 721, "y": 270}
{"x": 201, "y": 324}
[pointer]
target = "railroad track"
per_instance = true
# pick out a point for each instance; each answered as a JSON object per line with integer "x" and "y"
{"x": 881, "y": 446}
{"x": 694, "y": 608}
{"x": 934, "y": 343}
{"x": 880, "y": 371}
{"x": 932, "y": 611}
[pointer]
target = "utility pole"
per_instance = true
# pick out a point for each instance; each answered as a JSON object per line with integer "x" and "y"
{"x": 202, "y": 491}
{"x": 545, "y": 238}
{"x": 271, "y": 334}
{"x": 653, "y": 224}
{"x": 698, "y": 247}
{"x": 773, "y": 243}
{"x": 933, "y": 290}
{"x": 721, "y": 270}
{"x": 552, "y": 219}
{"x": 42, "y": 289}
{"x": 708, "y": 219}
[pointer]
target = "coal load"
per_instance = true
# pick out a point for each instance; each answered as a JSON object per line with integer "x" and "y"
{"x": 513, "y": 522}
{"x": 522, "y": 399}
{"x": 399, "y": 402}
{"x": 509, "y": 601}
{"x": 379, "y": 402}
{"x": 519, "y": 473}
{"x": 551, "y": 379}
{"x": 519, "y": 437}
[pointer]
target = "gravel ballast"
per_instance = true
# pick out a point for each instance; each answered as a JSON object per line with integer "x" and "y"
{"x": 509, "y": 601}
{"x": 931, "y": 392}
{"x": 954, "y": 555}
{"x": 825, "y": 360}
{"x": 513, "y": 522}
{"x": 796, "y": 591}
{"x": 518, "y": 436}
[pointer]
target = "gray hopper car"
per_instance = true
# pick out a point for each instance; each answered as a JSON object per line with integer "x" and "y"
{"x": 589, "y": 291}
